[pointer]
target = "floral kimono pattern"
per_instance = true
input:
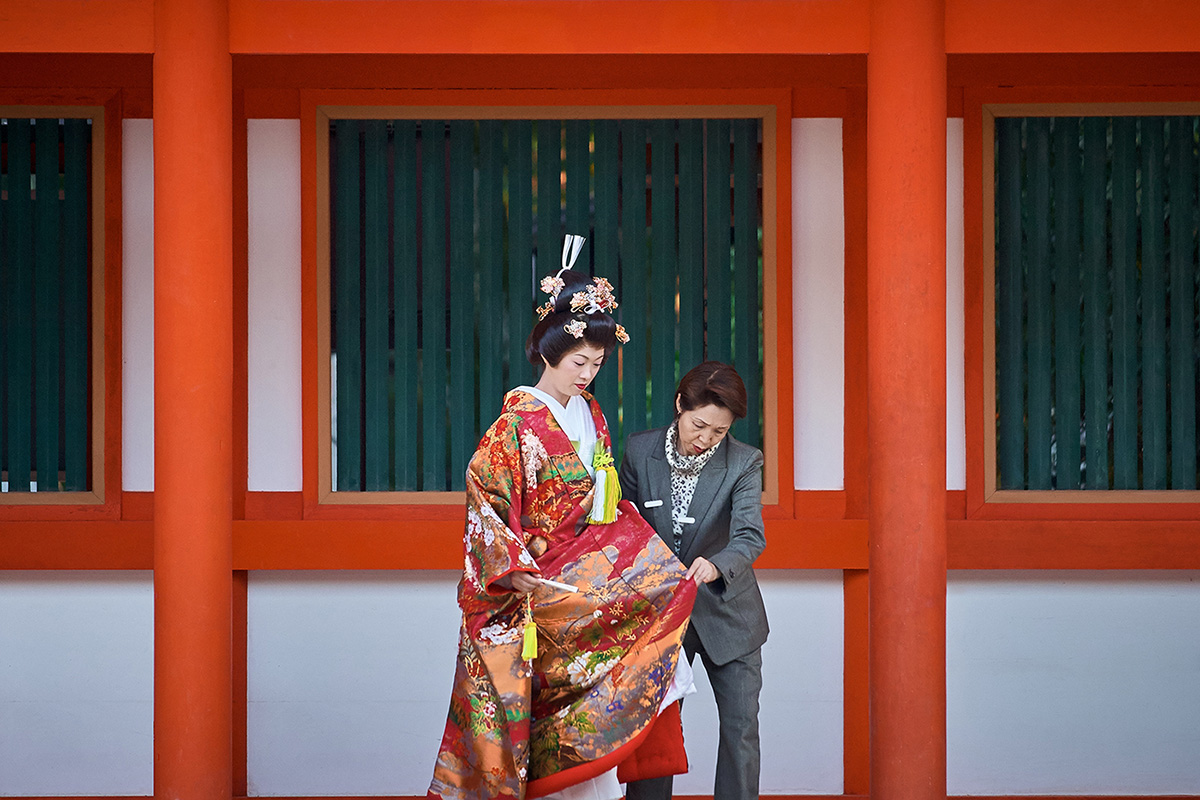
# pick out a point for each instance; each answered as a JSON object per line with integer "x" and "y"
{"x": 605, "y": 655}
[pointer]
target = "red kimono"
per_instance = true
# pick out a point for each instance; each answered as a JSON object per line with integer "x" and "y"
{"x": 605, "y": 655}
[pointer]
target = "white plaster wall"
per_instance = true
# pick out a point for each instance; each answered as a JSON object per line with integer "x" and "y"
{"x": 956, "y": 420}
{"x": 349, "y": 680}
{"x": 137, "y": 305}
{"x": 1073, "y": 682}
{"x": 76, "y": 683}
{"x": 818, "y": 303}
{"x": 350, "y": 674}
{"x": 274, "y": 336}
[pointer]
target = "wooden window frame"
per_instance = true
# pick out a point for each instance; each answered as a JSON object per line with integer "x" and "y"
{"x": 103, "y": 500}
{"x": 773, "y": 107}
{"x": 983, "y": 499}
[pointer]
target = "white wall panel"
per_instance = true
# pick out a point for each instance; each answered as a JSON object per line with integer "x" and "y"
{"x": 137, "y": 306}
{"x": 349, "y": 680}
{"x": 350, "y": 675}
{"x": 273, "y": 358}
{"x": 956, "y": 423}
{"x": 76, "y": 683}
{"x": 1073, "y": 682}
{"x": 818, "y": 303}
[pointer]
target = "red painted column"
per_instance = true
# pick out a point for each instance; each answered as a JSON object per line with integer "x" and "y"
{"x": 906, "y": 385}
{"x": 193, "y": 406}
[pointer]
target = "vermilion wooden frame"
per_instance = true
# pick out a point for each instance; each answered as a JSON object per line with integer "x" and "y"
{"x": 984, "y": 502}
{"x": 773, "y": 106}
{"x": 102, "y": 501}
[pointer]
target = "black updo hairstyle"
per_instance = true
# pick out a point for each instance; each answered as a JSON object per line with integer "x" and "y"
{"x": 549, "y": 338}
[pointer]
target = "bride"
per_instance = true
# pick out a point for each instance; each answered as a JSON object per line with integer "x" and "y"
{"x": 574, "y": 610}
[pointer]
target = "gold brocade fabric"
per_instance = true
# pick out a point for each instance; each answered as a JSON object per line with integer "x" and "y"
{"x": 606, "y": 654}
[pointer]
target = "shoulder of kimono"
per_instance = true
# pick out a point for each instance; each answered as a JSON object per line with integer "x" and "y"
{"x": 522, "y": 404}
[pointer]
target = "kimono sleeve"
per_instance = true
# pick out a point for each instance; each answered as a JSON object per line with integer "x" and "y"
{"x": 494, "y": 542}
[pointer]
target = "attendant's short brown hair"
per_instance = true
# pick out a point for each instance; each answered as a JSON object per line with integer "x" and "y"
{"x": 712, "y": 383}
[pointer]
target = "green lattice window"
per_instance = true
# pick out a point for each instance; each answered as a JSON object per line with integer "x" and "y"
{"x": 440, "y": 230}
{"x": 45, "y": 296}
{"x": 1095, "y": 307}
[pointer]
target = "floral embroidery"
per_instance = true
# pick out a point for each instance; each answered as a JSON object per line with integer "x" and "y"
{"x": 499, "y": 634}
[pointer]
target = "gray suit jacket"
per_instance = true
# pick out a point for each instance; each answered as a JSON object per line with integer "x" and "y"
{"x": 729, "y": 616}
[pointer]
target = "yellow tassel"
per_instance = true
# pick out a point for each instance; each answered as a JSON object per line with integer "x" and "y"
{"x": 608, "y": 488}
{"x": 529, "y": 646}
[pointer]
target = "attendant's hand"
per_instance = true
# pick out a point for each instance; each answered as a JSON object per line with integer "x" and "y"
{"x": 524, "y": 582}
{"x": 703, "y": 571}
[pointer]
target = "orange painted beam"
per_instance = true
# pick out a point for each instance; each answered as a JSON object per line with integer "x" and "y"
{"x": 548, "y": 26}
{"x": 816, "y": 543}
{"x": 613, "y": 26}
{"x": 193, "y": 407}
{"x": 389, "y": 544}
{"x": 854, "y": 179}
{"x": 1082, "y": 72}
{"x": 1054, "y": 544}
{"x": 76, "y": 545}
{"x": 1071, "y": 26}
{"x": 570, "y": 71}
{"x": 348, "y": 544}
{"x": 906, "y": 397}
{"x": 90, "y": 26}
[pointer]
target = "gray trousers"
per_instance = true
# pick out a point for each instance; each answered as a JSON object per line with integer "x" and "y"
{"x": 736, "y": 686}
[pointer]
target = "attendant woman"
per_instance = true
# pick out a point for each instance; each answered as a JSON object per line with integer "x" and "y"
{"x": 554, "y": 687}
{"x": 701, "y": 489}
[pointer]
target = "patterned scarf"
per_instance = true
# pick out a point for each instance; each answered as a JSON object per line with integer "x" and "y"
{"x": 685, "y": 471}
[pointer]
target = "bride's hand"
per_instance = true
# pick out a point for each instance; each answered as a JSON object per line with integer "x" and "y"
{"x": 524, "y": 582}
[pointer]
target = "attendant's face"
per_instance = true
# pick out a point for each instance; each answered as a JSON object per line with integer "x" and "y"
{"x": 573, "y": 373}
{"x": 702, "y": 428}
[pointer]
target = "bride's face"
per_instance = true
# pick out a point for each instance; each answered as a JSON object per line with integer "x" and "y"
{"x": 573, "y": 373}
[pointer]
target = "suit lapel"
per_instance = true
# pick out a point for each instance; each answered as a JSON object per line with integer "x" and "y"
{"x": 710, "y": 480}
{"x": 658, "y": 471}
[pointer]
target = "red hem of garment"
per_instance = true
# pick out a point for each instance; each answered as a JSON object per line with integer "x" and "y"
{"x": 584, "y": 772}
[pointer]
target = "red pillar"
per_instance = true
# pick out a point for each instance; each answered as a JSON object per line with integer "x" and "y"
{"x": 193, "y": 307}
{"x": 906, "y": 385}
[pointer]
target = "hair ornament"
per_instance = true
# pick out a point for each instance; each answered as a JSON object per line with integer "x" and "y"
{"x": 597, "y": 297}
{"x": 572, "y": 244}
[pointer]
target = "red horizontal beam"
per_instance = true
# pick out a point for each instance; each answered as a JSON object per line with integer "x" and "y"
{"x": 1064, "y": 544}
{"x": 463, "y": 27}
{"x": 425, "y": 543}
{"x": 1071, "y": 26}
{"x": 100, "y": 26}
{"x": 548, "y": 26}
{"x": 77, "y": 545}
